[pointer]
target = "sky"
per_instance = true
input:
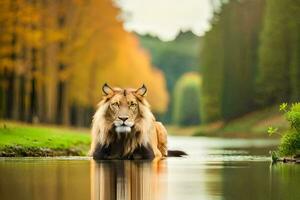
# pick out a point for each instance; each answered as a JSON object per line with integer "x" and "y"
{"x": 166, "y": 18}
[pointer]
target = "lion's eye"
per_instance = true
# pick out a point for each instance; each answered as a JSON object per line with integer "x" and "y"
{"x": 115, "y": 105}
{"x": 132, "y": 104}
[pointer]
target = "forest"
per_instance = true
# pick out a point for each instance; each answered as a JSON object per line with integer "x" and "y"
{"x": 250, "y": 58}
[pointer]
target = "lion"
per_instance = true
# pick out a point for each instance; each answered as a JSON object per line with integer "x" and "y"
{"x": 124, "y": 127}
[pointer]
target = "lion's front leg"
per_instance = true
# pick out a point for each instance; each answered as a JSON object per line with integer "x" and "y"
{"x": 101, "y": 152}
{"x": 154, "y": 146}
{"x": 157, "y": 153}
{"x": 143, "y": 153}
{"x": 159, "y": 140}
{"x": 162, "y": 138}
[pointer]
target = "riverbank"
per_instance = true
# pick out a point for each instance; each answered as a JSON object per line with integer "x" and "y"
{"x": 20, "y": 139}
{"x": 252, "y": 125}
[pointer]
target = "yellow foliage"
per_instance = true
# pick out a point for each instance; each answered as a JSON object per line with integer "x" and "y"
{"x": 107, "y": 53}
{"x": 80, "y": 43}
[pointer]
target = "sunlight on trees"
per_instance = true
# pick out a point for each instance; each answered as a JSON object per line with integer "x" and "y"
{"x": 55, "y": 55}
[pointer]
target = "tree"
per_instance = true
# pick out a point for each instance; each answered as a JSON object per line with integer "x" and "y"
{"x": 212, "y": 74}
{"x": 187, "y": 100}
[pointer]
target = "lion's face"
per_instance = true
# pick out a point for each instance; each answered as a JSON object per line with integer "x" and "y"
{"x": 123, "y": 109}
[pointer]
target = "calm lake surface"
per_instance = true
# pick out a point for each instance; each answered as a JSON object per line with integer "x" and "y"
{"x": 215, "y": 169}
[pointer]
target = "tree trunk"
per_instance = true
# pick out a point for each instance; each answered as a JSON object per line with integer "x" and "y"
{"x": 16, "y": 97}
{"x": 3, "y": 95}
{"x": 51, "y": 64}
{"x": 63, "y": 110}
{"x": 63, "y": 104}
{"x": 16, "y": 62}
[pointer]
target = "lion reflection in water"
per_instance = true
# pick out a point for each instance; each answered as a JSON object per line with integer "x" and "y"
{"x": 128, "y": 180}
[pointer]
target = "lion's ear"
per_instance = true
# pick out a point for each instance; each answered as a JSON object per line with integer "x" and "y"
{"x": 106, "y": 89}
{"x": 141, "y": 91}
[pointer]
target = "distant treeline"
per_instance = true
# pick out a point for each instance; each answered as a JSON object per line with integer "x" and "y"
{"x": 56, "y": 54}
{"x": 174, "y": 58}
{"x": 250, "y": 58}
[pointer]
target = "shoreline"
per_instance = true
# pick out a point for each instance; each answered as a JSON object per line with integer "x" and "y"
{"x": 21, "y": 151}
{"x": 27, "y": 140}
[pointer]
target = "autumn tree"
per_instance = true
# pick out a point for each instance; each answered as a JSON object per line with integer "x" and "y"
{"x": 55, "y": 55}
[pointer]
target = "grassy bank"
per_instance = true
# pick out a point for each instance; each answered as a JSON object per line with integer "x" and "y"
{"x": 18, "y": 139}
{"x": 252, "y": 125}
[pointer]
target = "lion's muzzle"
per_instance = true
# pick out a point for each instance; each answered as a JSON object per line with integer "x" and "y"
{"x": 123, "y": 126}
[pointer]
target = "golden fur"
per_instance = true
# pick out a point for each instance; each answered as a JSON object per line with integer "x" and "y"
{"x": 139, "y": 127}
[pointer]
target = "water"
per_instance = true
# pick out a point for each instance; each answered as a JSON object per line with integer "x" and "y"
{"x": 215, "y": 169}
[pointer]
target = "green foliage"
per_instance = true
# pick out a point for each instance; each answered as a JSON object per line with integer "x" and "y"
{"x": 283, "y": 107}
{"x": 212, "y": 74}
{"x": 272, "y": 130}
{"x": 229, "y": 60}
{"x": 293, "y": 116}
{"x": 290, "y": 141}
{"x": 187, "y": 100}
{"x": 250, "y": 59}
{"x": 279, "y": 53}
{"x": 274, "y": 156}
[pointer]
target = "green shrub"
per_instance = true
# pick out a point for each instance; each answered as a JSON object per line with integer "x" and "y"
{"x": 293, "y": 116}
{"x": 290, "y": 141}
{"x": 186, "y": 110}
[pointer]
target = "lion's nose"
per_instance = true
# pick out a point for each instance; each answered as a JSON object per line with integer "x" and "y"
{"x": 123, "y": 118}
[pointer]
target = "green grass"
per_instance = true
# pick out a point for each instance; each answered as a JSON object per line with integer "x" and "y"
{"x": 41, "y": 140}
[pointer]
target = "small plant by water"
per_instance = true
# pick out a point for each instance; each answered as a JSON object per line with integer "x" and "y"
{"x": 289, "y": 147}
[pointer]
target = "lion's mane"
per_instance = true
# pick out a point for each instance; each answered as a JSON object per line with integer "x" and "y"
{"x": 104, "y": 135}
